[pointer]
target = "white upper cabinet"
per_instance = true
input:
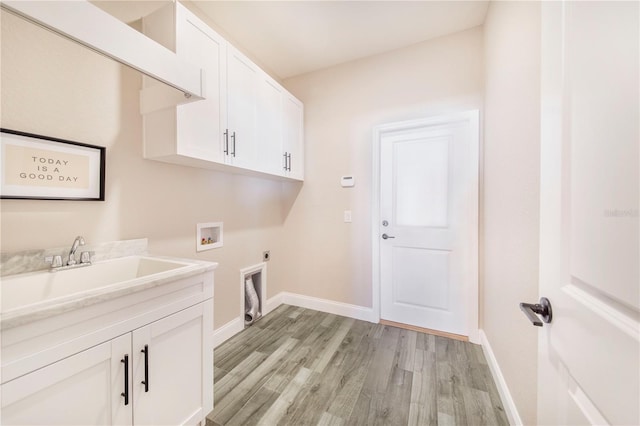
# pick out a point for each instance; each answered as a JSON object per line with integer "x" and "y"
{"x": 270, "y": 123}
{"x": 200, "y": 124}
{"x": 293, "y": 137}
{"x": 242, "y": 118}
{"x": 190, "y": 131}
{"x": 247, "y": 123}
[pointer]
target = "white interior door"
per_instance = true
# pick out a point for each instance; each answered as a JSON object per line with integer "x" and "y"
{"x": 427, "y": 226}
{"x": 589, "y": 355}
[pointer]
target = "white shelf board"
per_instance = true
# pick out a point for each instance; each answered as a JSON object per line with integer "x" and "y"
{"x": 94, "y": 28}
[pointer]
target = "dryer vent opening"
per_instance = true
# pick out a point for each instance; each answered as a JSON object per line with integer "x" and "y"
{"x": 252, "y": 302}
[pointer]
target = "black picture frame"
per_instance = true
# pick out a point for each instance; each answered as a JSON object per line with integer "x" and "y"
{"x": 37, "y": 167}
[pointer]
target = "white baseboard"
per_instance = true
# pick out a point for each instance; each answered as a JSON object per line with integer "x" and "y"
{"x": 272, "y": 303}
{"x": 509, "y": 405}
{"x": 227, "y": 331}
{"x": 329, "y": 306}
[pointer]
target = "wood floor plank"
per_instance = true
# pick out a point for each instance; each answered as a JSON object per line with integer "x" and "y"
{"x": 450, "y": 399}
{"x": 254, "y": 408}
{"x": 328, "y": 352}
{"x": 303, "y": 355}
{"x": 478, "y": 407}
{"x": 330, "y": 420}
{"x": 423, "y": 408}
{"x": 426, "y": 342}
{"x": 353, "y": 372}
{"x": 226, "y": 407}
{"x": 328, "y": 383}
{"x": 370, "y": 407}
{"x": 407, "y": 345}
{"x": 231, "y": 346}
{"x": 494, "y": 396}
{"x": 238, "y": 374}
{"x": 302, "y": 367}
{"x": 255, "y": 339}
{"x": 280, "y": 406}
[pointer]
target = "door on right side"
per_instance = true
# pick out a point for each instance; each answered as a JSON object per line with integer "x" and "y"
{"x": 589, "y": 355}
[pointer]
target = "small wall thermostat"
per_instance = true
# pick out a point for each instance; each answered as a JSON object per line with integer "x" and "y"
{"x": 347, "y": 181}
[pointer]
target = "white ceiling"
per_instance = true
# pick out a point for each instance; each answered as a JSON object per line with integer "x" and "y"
{"x": 296, "y": 37}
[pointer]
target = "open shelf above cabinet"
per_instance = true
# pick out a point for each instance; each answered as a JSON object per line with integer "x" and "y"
{"x": 92, "y": 27}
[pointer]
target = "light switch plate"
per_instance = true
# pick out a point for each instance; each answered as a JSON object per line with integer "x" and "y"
{"x": 347, "y": 216}
{"x": 347, "y": 181}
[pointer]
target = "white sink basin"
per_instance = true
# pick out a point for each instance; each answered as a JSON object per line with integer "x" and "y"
{"x": 37, "y": 287}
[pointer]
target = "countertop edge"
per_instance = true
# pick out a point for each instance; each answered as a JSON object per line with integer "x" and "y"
{"x": 35, "y": 312}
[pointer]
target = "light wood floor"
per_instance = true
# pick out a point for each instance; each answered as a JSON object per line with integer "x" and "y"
{"x": 296, "y": 366}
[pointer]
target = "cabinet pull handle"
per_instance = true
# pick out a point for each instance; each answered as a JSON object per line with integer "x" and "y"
{"x": 126, "y": 379}
{"x": 226, "y": 141}
{"x": 285, "y": 161}
{"x": 145, "y": 382}
{"x": 233, "y": 139}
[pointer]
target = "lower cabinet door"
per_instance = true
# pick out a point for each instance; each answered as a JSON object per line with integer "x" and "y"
{"x": 168, "y": 369}
{"x": 83, "y": 389}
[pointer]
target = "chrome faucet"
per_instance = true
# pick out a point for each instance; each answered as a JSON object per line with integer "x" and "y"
{"x": 56, "y": 261}
{"x": 79, "y": 241}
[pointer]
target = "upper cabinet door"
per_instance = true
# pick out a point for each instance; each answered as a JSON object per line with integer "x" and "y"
{"x": 190, "y": 131}
{"x": 247, "y": 122}
{"x": 270, "y": 146}
{"x": 293, "y": 141}
{"x": 201, "y": 124}
{"x": 242, "y": 119}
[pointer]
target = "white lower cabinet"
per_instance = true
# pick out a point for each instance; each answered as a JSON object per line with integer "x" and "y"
{"x": 80, "y": 390}
{"x": 168, "y": 358}
{"x": 157, "y": 370}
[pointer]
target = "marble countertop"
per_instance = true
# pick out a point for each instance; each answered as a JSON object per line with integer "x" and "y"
{"x": 54, "y": 306}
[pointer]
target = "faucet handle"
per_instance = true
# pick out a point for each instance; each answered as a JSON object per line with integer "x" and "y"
{"x": 55, "y": 261}
{"x": 85, "y": 257}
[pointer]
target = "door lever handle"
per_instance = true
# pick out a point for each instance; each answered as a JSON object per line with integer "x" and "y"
{"x": 533, "y": 310}
{"x": 385, "y": 236}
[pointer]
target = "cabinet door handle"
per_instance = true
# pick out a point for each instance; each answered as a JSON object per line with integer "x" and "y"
{"x": 226, "y": 141}
{"x": 285, "y": 161}
{"x": 126, "y": 379}
{"x": 145, "y": 382}
{"x": 233, "y": 139}
{"x": 289, "y": 156}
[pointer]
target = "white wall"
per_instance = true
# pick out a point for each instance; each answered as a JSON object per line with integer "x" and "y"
{"x": 331, "y": 259}
{"x": 53, "y": 87}
{"x": 510, "y": 199}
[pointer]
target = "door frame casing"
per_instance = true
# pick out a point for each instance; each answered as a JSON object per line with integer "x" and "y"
{"x": 473, "y": 118}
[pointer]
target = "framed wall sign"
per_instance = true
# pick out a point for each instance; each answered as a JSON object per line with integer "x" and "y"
{"x": 44, "y": 168}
